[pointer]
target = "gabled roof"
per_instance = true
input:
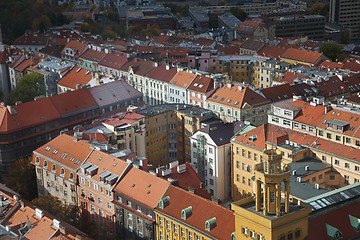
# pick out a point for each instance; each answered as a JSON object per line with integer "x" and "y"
{"x": 252, "y": 45}
{"x": 76, "y": 46}
{"x": 92, "y": 55}
{"x": 77, "y": 76}
{"x": 254, "y": 138}
{"x": 143, "y": 187}
{"x": 114, "y": 60}
{"x": 352, "y": 82}
{"x": 65, "y": 151}
{"x": 302, "y": 55}
{"x": 202, "y": 211}
{"x": 289, "y": 77}
{"x": 183, "y": 79}
{"x": 162, "y": 73}
{"x": 278, "y": 92}
{"x": 237, "y": 96}
{"x": 112, "y": 92}
{"x": 249, "y": 25}
{"x": 201, "y": 84}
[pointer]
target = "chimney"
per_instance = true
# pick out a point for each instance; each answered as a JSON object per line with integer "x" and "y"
{"x": 167, "y": 67}
{"x": 191, "y": 189}
{"x": 229, "y": 85}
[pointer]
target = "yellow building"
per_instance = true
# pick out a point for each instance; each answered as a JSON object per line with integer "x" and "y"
{"x": 183, "y": 215}
{"x": 168, "y": 131}
{"x": 265, "y": 216}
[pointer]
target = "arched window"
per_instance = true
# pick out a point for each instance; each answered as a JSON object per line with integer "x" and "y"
{"x": 71, "y": 176}
{"x": 37, "y": 160}
{"x": 62, "y": 171}
{"x": 45, "y": 163}
{"x": 53, "y": 168}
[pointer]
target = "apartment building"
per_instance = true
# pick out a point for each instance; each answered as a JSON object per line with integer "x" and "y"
{"x": 234, "y": 102}
{"x": 345, "y": 13}
{"x": 56, "y": 165}
{"x": 72, "y": 50}
{"x": 128, "y": 131}
{"x": 178, "y": 85}
{"x": 265, "y": 72}
{"x": 239, "y": 68}
{"x": 136, "y": 197}
{"x": 211, "y": 156}
{"x": 168, "y": 131}
{"x": 26, "y": 130}
{"x": 77, "y": 77}
{"x": 203, "y": 60}
{"x": 200, "y": 89}
{"x": 91, "y": 58}
{"x": 97, "y": 178}
{"x": 183, "y": 215}
{"x": 157, "y": 82}
{"x": 112, "y": 63}
{"x": 295, "y": 56}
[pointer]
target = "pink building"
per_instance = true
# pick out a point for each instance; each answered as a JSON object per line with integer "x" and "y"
{"x": 203, "y": 60}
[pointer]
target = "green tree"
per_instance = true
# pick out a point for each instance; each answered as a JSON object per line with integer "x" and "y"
{"x": 29, "y": 87}
{"x": 320, "y": 8}
{"x": 41, "y": 24}
{"x": 22, "y": 178}
{"x": 332, "y": 51}
{"x": 108, "y": 33}
{"x": 239, "y": 13}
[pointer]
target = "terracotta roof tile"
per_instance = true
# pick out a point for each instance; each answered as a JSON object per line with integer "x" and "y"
{"x": 122, "y": 119}
{"x": 76, "y": 76}
{"x": 139, "y": 66}
{"x": 201, "y": 84}
{"x": 260, "y": 141}
{"x": 278, "y": 92}
{"x": 183, "y": 79}
{"x": 302, "y": 55}
{"x": 162, "y": 73}
{"x": 76, "y": 46}
{"x": 92, "y": 55}
{"x": 202, "y": 210}
{"x": 236, "y": 96}
{"x": 272, "y": 51}
{"x": 332, "y": 87}
{"x": 114, "y": 60}
{"x": 143, "y": 187}
{"x": 32, "y": 39}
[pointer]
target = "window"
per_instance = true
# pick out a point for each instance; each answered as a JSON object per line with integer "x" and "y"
{"x": 328, "y": 135}
{"x": 160, "y": 222}
{"x": 182, "y": 232}
{"x": 53, "y": 168}
{"x": 167, "y": 225}
{"x": 71, "y": 177}
{"x": 237, "y": 164}
{"x": 321, "y": 133}
{"x": 45, "y": 163}
{"x": 286, "y": 122}
{"x": 337, "y": 162}
{"x": 347, "y": 140}
{"x": 346, "y": 177}
{"x": 175, "y": 228}
{"x": 138, "y": 208}
{"x": 338, "y": 138}
{"x": 252, "y": 234}
{"x": 101, "y": 213}
{"x": 332, "y": 177}
{"x": 290, "y": 236}
{"x": 347, "y": 165}
{"x": 323, "y": 158}
{"x": 297, "y": 233}
{"x": 211, "y": 182}
{"x": 92, "y": 208}
{"x": 37, "y": 160}
{"x": 99, "y": 200}
{"x": 211, "y": 150}
{"x": 244, "y": 231}
{"x": 62, "y": 172}
{"x": 357, "y": 168}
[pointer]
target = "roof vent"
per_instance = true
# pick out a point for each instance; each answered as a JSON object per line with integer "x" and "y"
{"x": 298, "y": 179}
{"x": 166, "y": 172}
{"x": 317, "y": 186}
{"x": 181, "y": 168}
{"x": 294, "y": 172}
{"x": 186, "y": 212}
{"x": 253, "y": 138}
{"x": 307, "y": 168}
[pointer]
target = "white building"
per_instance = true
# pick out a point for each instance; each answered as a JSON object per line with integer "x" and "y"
{"x": 178, "y": 87}
{"x": 211, "y": 156}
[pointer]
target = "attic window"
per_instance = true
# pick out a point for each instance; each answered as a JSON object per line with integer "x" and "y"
{"x": 333, "y": 232}
{"x": 236, "y": 103}
{"x": 215, "y": 97}
{"x": 72, "y": 159}
{"x": 200, "y": 86}
{"x": 229, "y": 101}
{"x": 222, "y": 99}
{"x": 210, "y": 224}
{"x": 355, "y": 222}
{"x": 47, "y": 148}
{"x": 63, "y": 155}
{"x": 195, "y": 84}
{"x": 55, "y": 151}
{"x": 77, "y": 162}
{"x": 186, "y": 212}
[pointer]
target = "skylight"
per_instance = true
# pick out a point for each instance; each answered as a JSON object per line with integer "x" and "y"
{"x": 47, "y": 148}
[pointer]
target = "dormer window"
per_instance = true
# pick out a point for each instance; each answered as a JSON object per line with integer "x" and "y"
{"x": 71, "y": 177}
{"x": 210, "y": 224}
{"x": 53, "y": 168}
{"x": 55, "y": 151}
{"x": 45, "y": 163}
{"x": 186, "y": 212}
{"x": 62, "y": 172}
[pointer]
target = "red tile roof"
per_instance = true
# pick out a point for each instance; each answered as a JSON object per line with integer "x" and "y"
{"x": 76, "y": 76}
{"x": 122, "y": 119}
{"x": 76, "y": 46}
{"x": 139, "y": 66}
{"x": 332, "y": 87}
{"x": 202, "y": 210}
{"x": 272, "y": 51}
{"x": 236, "y": 96}
{"x": 92, "y": 55}
{"x": 310, "y": 115}
{"x": 278, "y": 92}
{"x": 31, "y": 39}
{"x": 183, "y": 79}
{"x": 302, "y": 55}
{"x": 260, "y": 141}
{"x": 289, "y": 77}
{"x": 114, "y": 60}
{"x": 143, "y": 187}
{"x": 162, "y": 73}
{"x": 337, "y": 217}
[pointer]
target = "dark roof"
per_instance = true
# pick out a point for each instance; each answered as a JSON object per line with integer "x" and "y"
{"x": 278, "y": 93}
{"x": 112, "y": 92}
{"x": 221, "y": 133}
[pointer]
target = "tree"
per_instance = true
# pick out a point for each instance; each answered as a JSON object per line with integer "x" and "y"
{"x": 239, "y": 13}
{"x": 320, "y": 8}
{"x": 29, "y": 87}
{"x": 41, "y": 23}
{"x": 22, "y": 178}
{"x": 109, "y": 34}
{"x": 332, "y": 51}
